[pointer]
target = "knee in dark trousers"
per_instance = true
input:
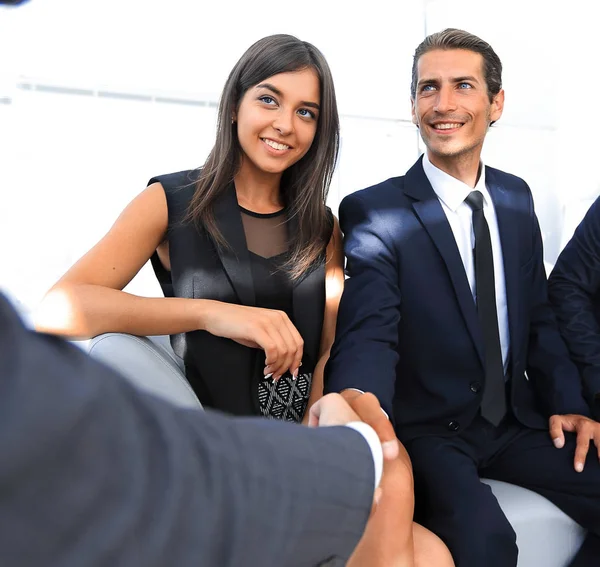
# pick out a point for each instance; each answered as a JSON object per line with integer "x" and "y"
{"x": 480, "y": 537}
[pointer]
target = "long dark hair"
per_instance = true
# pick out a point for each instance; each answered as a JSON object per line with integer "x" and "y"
{"x": 304, "y": 185}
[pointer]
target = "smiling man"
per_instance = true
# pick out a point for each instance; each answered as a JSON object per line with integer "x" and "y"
{"x": 445, "y": 318}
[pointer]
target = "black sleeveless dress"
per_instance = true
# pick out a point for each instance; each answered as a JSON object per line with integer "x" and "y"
{"x": 267, "y": 241}
{"x": 226, "y": 375}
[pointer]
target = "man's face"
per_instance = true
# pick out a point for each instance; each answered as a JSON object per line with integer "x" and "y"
{"x": 451, "y": 105}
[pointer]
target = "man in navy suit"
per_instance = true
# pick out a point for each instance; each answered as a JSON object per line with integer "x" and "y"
{"x": 574, "y": 290}
{"x": 445, "y": 318}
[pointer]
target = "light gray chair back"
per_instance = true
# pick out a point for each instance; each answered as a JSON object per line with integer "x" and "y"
{"x": 149, "y": 363}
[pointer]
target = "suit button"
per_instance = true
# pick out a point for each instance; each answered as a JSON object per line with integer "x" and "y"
{"x": 453, "y": 425}
{"x": 475, "y": 387}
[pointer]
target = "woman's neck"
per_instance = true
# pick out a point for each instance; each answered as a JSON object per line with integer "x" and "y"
{"x": 258, "y": 191}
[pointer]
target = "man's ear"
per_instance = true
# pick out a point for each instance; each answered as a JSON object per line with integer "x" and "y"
{"x": 497, "y": 106}
{"x": 413, "y": 113}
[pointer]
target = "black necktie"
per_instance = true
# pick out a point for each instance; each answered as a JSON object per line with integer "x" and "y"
{"x": 493, "y": 402}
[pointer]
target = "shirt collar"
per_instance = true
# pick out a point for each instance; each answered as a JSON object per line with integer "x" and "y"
{"x": 451, "y": 191}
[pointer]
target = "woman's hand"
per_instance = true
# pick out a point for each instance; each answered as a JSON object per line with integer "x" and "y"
{"x": 267, "y": 329}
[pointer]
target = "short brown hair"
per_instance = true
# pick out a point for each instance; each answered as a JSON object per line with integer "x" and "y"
{"x": 452, "y": 38}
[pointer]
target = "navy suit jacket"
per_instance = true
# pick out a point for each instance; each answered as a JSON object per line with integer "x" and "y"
{"x": 408, "y": 329}
{"x": 574, "y": 289}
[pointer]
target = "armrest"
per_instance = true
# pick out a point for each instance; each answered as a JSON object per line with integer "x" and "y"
{"x": 150, "y": 365}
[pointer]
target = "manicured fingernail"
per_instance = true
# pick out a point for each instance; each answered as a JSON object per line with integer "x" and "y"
{"x": 295, "y": 374}
{"x": 578, "y": 467}
{"x": 268, "y": 376}
{"x": 558, "y": 443}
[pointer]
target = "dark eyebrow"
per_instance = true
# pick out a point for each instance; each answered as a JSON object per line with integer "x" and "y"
{"x": 463, "y": 79}
{"x": 310, "y": 104}
{"x": 427, "y": 82}
{"x": 454, "y": 80}
{"x": 275, "y": 90}
{"x": 270, "y": 87}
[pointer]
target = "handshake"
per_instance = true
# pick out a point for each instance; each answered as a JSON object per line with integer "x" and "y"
{"x": 388, "y": 536}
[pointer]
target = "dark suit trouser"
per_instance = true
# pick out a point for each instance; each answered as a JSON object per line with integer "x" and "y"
{"x": 452, "y": 502}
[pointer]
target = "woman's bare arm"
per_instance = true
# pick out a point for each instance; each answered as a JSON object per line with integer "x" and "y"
{"x": 88, "y": 299}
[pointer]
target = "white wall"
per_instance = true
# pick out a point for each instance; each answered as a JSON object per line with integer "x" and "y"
{"x": 69, "y": 163}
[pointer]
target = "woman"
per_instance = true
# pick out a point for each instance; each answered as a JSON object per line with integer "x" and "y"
{"x": 247, "y": 254}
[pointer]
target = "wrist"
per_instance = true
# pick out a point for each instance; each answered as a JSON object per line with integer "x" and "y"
{"x": 203, "y": 313}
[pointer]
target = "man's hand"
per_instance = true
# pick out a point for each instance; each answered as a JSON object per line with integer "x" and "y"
{"x": 331, "y": 409}
{"x": 367, "y": 406}
{"x": 368, "y": 409}
{"x": 587, "y": 430}
{"x": 388, "y": 537}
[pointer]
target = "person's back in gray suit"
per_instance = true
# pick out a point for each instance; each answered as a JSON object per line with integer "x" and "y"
{"x": 94, "y": 472}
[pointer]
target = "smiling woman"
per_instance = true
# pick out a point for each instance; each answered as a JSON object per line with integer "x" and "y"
{"x": 246, "y": 252}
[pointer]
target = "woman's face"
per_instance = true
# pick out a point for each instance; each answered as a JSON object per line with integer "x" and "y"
{"x": 277, "y": 120}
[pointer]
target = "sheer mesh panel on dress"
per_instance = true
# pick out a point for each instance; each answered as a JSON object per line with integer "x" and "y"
{"x": 266, "y": 234}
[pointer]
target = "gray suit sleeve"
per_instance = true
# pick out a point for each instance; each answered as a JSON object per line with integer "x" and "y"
{"x": 94, "y": 472}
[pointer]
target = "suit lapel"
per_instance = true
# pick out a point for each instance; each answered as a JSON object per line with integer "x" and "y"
{"x": 429, "y": 210}
{"x": 234, "y": 257}
{"x": 505, "y": 213}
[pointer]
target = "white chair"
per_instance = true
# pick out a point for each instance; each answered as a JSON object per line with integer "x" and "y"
{"x": 148, "y": 362}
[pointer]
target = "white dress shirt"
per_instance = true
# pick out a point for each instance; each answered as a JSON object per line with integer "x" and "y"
{"x": 374, "y": 444}
{"x": 452, "y": 194}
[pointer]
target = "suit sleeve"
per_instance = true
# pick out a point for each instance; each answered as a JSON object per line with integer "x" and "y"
{"x": 365, "y": 351}
{"x": 573, "y": 288}
{"x": 95, "y": 472}
{"x": 554, "y": 377}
